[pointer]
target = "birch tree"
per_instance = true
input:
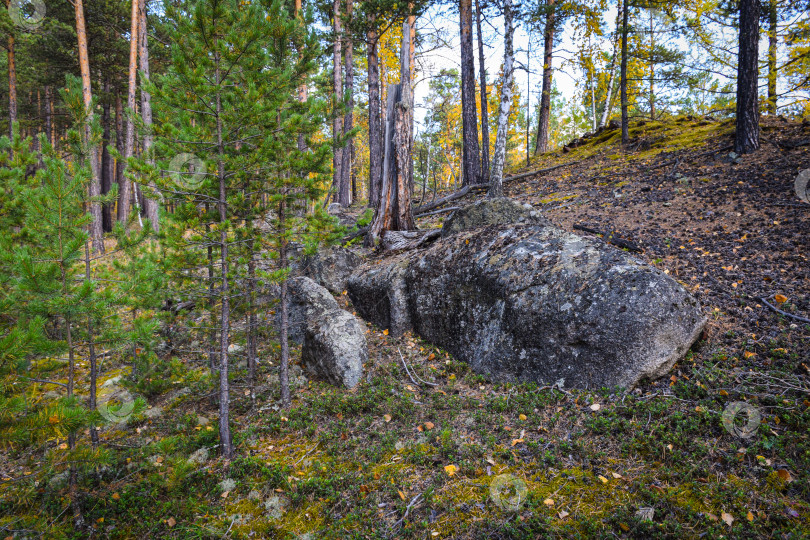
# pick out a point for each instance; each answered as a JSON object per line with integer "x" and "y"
{"x": 507, "y": 94}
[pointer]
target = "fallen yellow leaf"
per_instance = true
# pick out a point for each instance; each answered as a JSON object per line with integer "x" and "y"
{"x": 549, "y": 502}
{"x": 450, "y": 470}
{"x": 603, "y": 479}
{"x": 780, "y": 298}
{"x": 387, "y": 417}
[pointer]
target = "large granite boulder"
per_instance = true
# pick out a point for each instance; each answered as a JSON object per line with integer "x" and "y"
{"x": 491, "y": 211}
{"x": 526, "y": 302}
{"x": 377, "y": 291}
{"x": 335, "y": 348}
{"x": 330, "y": 267}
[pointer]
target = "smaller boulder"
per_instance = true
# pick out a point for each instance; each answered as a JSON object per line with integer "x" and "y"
{"x": 492, "y": 211}
{"x": 378, "y": 293}
{"x": 307, "y": 300}
{"x": 331, "y": 268}
{"x": 335, "y": 348}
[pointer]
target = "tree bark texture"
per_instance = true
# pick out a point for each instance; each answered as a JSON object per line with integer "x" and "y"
{"x": 772, "y": 44}
{"x": 746, "y": 137}
{"x": 548, "y": 72}
{"x": 483, "y": 91}
{"x": 612, "y": 70}
{"x": 499, "y": 156}
{"x": 345, "y": 191}
{"x": 471, "y": 164}
{"x": 337, "y": 82}
{"x": 151, "y": 202}
{"x": 623, "y": 81}
{"x": 374, "y": 124}
{"x": 96, "y": 230}
{"x": 106, "y": 159}
{"x": 124, "y": 185}
{"x": 12, "y": 85}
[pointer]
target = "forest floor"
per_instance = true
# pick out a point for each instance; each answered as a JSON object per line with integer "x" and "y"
{"x": 463, "y": 457}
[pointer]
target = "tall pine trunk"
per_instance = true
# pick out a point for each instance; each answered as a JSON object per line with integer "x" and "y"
{"x": 12, "y": 85}
{"x": 471, "y": 164}
{"x": 772, "y": 44}
{"x": 225, "y": 439}
{"x": 151, "y": 202}
{"x": 499, "y": 156}
{"x": 96, "y": 229}
{"x": 544, "y": 115}
{"x": 345, "y": 193}
{"x": 125, "y": 186}
{"x": 337, "y": 83}
{"x": 746, "y": 138}
{"x": 623, "y": 81}
{"x": 284, "y": 367}
{"x": 106, "y": 158}
{"x": 120, "y": 145}
{"x": 374, "y": 121}
{"x": 612, "y": 70}
{"x": 483, "y": 91}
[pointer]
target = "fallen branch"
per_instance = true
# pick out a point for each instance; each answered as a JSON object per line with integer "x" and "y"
{"x": 440, "y": 211}
{"x": 306, "y": 454}
{"x": 611, "y": 239}
{"x": 467, "y": 189}
{"x": 405, "y": 364}
{"x": 785, "y": 313}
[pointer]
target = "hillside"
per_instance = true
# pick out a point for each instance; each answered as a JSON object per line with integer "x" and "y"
{"x": 422, "y": 446}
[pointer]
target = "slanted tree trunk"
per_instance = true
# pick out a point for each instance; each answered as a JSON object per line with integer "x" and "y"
{"x": 96, "y": 230}
{"x": 345, "y": 192}
{"x": 483, "y": 91}
{"x": 772, "y": 44}
{"x": 394, "y": 212}
{"x": 623, "y": 82}
{"x": 471, "y": 164}
{"x": 337, "y": 82}
{"x": 374, "y": 124}
{"x": 124, "y": 185}
{"x": 499, "y": 156}
{"x": 544, "y": 114}
{"x": 746, "y": 138}
{"x": 612, "y": 70}
{"x": 151, "y": 202}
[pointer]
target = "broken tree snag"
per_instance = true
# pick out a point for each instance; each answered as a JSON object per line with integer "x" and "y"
{"x": 392, "y": 240}
{"x": 394, "y": 213}
{"x": 611, "y": 238}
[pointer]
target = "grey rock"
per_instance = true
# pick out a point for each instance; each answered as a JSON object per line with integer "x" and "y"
{"x": 528, "y": 302}
{"x": 307, "y": 300}
{"x": 335, "y": 348}
{"x": 377, "y": 291}
{"x": 541, "y": 304}
{"x": 487, "y": 211}
{"x": 334, "y": 209}
{"x": 330, "y": 268}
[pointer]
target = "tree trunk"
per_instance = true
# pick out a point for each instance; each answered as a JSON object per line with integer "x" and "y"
{"x": 623, "y": 81}
{"x": 544, "y": 114}
{"x": 374, "y": 125}
{"x": 746, "y": 138}
{"x": 120, "y": 146}
{"x": 106, "y": 158}
{"x": 96, "y": 230}
{"x": 91, "y": 351}
{"x": 49, "y": 115}
{"x": 252, "y": 320}
{"x": 612, "y": 69}
{"x": 345, "y": 191}
{"x": 151, "y": 202}
{"x": 499, "y": 156}
{"x": 337, "y": 82}
{"x": 470, "y": 154}
{"x": 284, "y": 367}
{"x": 225, "y": 439}
{"x": 772, "y": 44}
{"x": 483, "y": 91}
{"x": 12, "y": 85}
{"x": 394, "y": 212}
{"x": 124, "y": 185}
{"x": 652, "y": 68}
{"x": 302, "y": 90}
